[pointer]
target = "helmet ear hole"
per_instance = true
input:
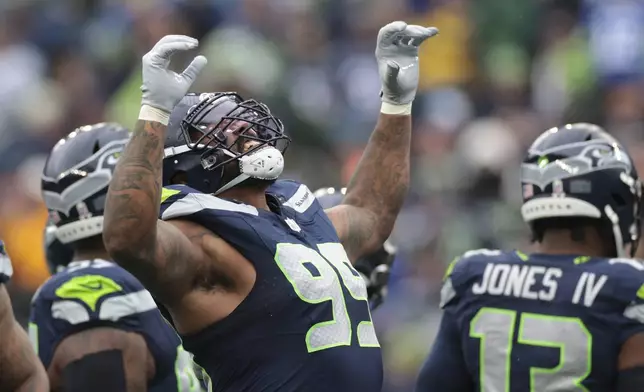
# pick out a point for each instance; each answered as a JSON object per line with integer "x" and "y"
{"x": 96, "y": 147}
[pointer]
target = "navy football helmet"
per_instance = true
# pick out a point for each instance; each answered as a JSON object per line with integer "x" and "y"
{"x": 207, "y": 142}
{"x": 75, "y": 179}
{"x": 374, "y": 268}
{"x": 579, "y": 170}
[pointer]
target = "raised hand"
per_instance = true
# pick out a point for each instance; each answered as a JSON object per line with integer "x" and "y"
{"x": 163, "y": 88}
{"x": 397, "y": 55}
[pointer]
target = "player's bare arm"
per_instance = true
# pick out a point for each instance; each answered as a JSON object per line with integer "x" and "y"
{"x": 378, "y": 188}
{"x": 376, "y": 191}
{"x": 98, "y": 358}
{"x": 154, "y": 251}
{"x": 20, "y": 368}
{"x": 157, "y": 253}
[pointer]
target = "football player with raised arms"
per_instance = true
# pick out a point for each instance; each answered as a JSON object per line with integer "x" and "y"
{"x": 569, "y": 317}
{"x": 94, "y": 326}
{"x": 256, "y": 275}
{"x": 20, "y": 369}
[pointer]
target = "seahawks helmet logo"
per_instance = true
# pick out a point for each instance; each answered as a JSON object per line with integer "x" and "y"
{"x": 593, "y": 157}
{"x": 89, "y": 185}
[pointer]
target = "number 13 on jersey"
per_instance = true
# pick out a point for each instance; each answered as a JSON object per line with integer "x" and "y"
{"x": 326, "y": 285}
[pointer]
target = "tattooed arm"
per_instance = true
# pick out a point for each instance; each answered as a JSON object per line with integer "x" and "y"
{"x": 156, "y": 252}
{"x": 20, "y": 368}
{"x": 377, "y": 189}
{"x": 105, "y": 352}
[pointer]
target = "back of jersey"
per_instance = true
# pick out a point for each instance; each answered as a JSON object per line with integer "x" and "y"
{"x": 98, "y": 293}
{"x": 543, "y": 322}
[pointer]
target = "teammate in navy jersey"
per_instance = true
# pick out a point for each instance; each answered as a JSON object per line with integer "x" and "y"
{"x": 256, "y": 275}
{"x": 94, "y": 326}
{"x": 569, "y": 317}
{"x": 21, "y": 371}
{"x": 374, "y": 267}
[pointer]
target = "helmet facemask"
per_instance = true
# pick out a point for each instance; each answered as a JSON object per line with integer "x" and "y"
{"x": 239, "y": 139}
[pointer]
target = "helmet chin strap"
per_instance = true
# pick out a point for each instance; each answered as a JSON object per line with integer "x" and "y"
{"x": 264, "y": 164}
{"x": 617, "y": 232}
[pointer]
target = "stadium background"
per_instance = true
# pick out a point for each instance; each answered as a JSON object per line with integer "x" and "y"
{"x": 500, "y": 72}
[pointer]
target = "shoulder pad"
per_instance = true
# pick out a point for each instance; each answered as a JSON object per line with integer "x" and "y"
{"x": 628, "y": 264}
{"x": 635, "y": 310}
{"x": 294, "y": 195}
{"x": 173, "y": 193}
{"x": 474, "y": 255}
{"x": 93, "y": 294}
{"x": 179, "y": 200}
{"x": 631, "y": 273}
{"x": 458, "y": 269}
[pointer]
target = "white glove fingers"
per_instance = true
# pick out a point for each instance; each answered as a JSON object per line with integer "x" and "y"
{"x": 194, "y": 68}
{"x": 388, "y": 33}
{"x": 165, "y": 51}
{"x": 175, "y": 38}
{"x": 163, "y": 88}
{"x": 428, "y": 32}
{"x": 416, "y": 35}
{"x": 397, "y": 56}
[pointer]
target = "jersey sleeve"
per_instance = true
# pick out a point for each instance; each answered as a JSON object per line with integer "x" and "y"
{"x": 445, "y": 368}
{"x": 69, "y": 303}
{"x": 171, "y": 195}
{"x": 180, "y": 201}
{"x": 6, "y": 269}
{"x": 633, "y": 322}
{"x": 297, "y": 197}
{"x": 462, "y": 272}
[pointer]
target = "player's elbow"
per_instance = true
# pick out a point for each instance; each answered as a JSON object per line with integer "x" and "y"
{"x": 381, "y": 229}
{"x": 27, "y": 370}
{"x": 382, "y": 210}
{"x": 117, "y": 245}
{"x": 123, "y": 234}
{"x": 125, "y": 252}
{"x": 36, "y": 380}
{"x": 115, "y": 237}
{"x": 124, "y": 245}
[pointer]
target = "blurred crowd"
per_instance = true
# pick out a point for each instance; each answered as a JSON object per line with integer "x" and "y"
{"x": 500, "y": 72}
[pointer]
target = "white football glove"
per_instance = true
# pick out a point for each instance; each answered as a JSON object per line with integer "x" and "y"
{"x": 397, "y": 56}
{"x": 163, "y": 88}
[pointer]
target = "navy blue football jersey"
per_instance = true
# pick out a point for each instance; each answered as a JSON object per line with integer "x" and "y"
{"x": 6, "y": 269}
{"x": 514, "y": 322}
{"x": 306, "y": 325}
{"x": 95, "y": 293}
